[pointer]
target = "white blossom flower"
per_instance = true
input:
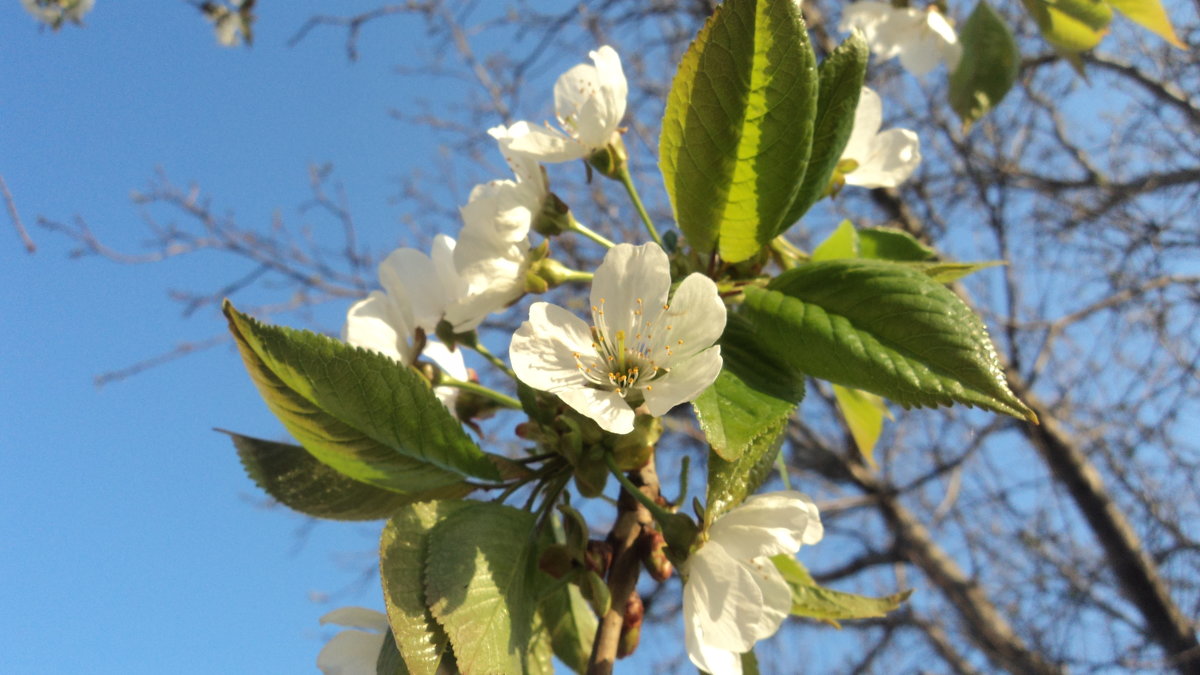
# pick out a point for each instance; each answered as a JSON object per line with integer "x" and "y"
{"x": 384, "y": 322}
{"x": 884, "y": 159}
{"x": 353, "y": 652}
{"x": 589, "y": 102}
{"x": 920, "y": 37}
{"x": 55, "y": 12}
{"x": 733, "y": 596}
{"x": 639, "y": 349}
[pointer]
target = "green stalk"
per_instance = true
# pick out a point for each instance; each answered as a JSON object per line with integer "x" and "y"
{"x": 502, "y": 399}
{"x": 586, "y": 231}
{"x": 627, "y": 181}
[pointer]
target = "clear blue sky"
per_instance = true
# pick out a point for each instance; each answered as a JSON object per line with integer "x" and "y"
{"x": 131, "y": 540}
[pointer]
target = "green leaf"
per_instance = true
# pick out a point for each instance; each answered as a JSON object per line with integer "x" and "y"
{"x": 1150, "y": 15}
{"x": 753, "y": 394}
{"x": 481, "y": 584}
{"x": 403, "y": 549}
{"x": 884, "y": 328}
{"x": 389, "y": 661}
{"x": 1071, "y": 25}
{"x": 294, "y": 478}
{"x": 949, "y": 272}
{"x": 826, "y": 604}
{"x": 842, "y": 243}
{"x": 888, "y": 243}
{"x": 840, "y": 83}
{"x": 571, "y": 624}
{"x": 988, "y": 67}
{"x": 738, "y": 127}
{"x": 358, "y": 411}
{"x": 864, "y": 413}
{"x": 729, "y": 483}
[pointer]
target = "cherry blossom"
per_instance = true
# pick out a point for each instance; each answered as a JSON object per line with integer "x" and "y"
{"x": 640, "y": 349}
{"x": 589, "y": 102}
{"x": 883, "y": 159}
{"x": 353, "y": 652}
{"x": 733, "y": 596}
{"x": 920, "y": 37}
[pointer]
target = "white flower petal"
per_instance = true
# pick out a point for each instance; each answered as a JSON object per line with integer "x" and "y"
{"x": 768, "y": 524}
{"x": 357, "y": 617}
{"x": 589, "y": 101}
{"x": 373, "y": 324}
{"x": 544, "y": 144}
{"x": 703, "y": 655}
{"x": 606, "y": 408}
{"x": 687, "y": 380}
{"x": 868, "y": 117}
{"x": 407, "y": 272}
{"x": 628, "y": 274}
{"x": 452, "y": 364}
{"x": 895, "y": 155}
{"x": 696, "y": 318}
{"x": 733, "y": 610}
{"x": 351, "y": 652}
{"x": 543, "y": 349}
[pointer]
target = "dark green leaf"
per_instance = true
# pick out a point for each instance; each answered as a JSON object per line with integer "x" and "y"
{"x": 481, "y": 583}
{"x": 887, "y": 243}
{"x": 738, "y": 127}
{"x": 729, "y": 483}
{"x": 841, "y": 79}
{"x": 389, "y": 661}
{"x": 359, "y": 412}
{"x": 825, "y": 604}
{"x": 988, "y": 66}
{"x": 295, "y": 478}
{"x": 403, "y": 549}
{"x": 572, "y": 626}
{"x": 884, "y": 328}
{"x": 752, "y": 396}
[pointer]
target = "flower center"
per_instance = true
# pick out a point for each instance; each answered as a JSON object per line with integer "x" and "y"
{"x": 626, "y": 361}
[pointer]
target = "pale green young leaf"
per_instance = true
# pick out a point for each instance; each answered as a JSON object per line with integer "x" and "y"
{"x": 889, "y": 243}
{"x": 294, "y": 478}
{"x": 403, "y": 549}
{"x": 1071, "y": 25}
{"x": 864, "y": 413}
{"x": 482, "y": 586}
{"x": 752, "y": 396}
{"x": 729, "y": 483}
{"x": 1151, "y": 15}
{"x": 738, "y": 127}
{"x": 825, "y": 604}
{"x": 949, "y": 272}
{"x": 988, "y": 66}
{"x": 359, "y": 412}
{"x": 840, "y": 78}
{"x": 884, "y": 328}
{"x": 841, "y": 243}
{"x": 571, "y": 625}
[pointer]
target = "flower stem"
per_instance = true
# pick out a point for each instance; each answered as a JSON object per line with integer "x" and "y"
{"x": 493, "y": 359}
{"x": 503, "y": 399}
{"x": 627, "y": 181}
{"x": 586, "y": 231}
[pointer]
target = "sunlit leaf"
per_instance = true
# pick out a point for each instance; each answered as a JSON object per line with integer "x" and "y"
{"x": 738, "y": 127}
{"x": 1151, "y": 15}
{"x": 825, "y": 604}
{"x": 864, "y": 414}
{"x": 1071, "y": 25}
{"x": 842, "y": 243}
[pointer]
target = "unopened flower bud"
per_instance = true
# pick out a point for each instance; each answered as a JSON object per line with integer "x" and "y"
{"x": 631, "y": 627}
{"x": 599, "y": 556}
{"x": 654, "y": 555}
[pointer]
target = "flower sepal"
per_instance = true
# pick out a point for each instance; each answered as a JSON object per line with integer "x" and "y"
{"x": 634, "y": 449}
{"x": 610, "y": 161}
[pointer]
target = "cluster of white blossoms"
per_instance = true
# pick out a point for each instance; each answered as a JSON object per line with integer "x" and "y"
{"x": 922, "y": 38}
{"x": 645, "y": 351}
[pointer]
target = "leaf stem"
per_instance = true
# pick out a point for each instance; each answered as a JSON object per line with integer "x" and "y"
{"x": 493, "y": 359}
{"x": 627, "y": 180}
